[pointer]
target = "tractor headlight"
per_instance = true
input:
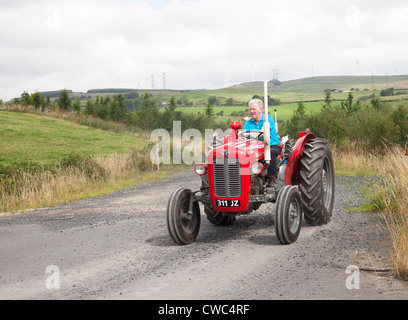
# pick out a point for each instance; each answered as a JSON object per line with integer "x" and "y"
{"x": 200, "y": 169}
{"x": 257, "y": 168}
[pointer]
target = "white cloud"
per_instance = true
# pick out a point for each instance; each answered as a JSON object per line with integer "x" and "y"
{"x": 87, "y": 44}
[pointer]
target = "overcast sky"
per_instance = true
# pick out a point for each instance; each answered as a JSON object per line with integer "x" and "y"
{"x": 86, "y": 44}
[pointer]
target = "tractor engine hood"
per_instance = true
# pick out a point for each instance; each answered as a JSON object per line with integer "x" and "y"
{"x": 247, "y": 151}
{"x": 229, "y": 174}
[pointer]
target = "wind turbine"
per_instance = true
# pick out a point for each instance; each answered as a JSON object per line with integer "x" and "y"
{"x": 226, "y": 80}
{"x": 253, "y": 65}
{"x": 161, "y": 75}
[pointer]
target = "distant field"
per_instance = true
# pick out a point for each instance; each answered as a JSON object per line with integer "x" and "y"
{"x": 307, "y": 89}
{"x": 42, "y": 139}
{"x": 319, "y": 84}
{"x": 285, "y": 111}
{"x": 200, "y": 98}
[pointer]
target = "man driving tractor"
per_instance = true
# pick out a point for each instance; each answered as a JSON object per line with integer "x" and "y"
{"x": 233, "y": 180}
{"x": 256, "y": 124}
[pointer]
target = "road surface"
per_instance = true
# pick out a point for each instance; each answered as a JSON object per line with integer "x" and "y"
{"x": 117, "y": 247}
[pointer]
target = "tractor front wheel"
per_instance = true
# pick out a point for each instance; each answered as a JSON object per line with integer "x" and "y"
{"x": 288, "y": 215}
{"x": 182, "y": 225}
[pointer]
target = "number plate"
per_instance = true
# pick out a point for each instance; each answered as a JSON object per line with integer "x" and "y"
{"x": 228, "y": 203}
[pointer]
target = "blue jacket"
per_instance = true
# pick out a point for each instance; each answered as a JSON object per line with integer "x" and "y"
{"x": 252, "y": 125}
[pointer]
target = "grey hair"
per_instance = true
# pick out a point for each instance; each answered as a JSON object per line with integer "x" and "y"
{"x": 257, "y": 102}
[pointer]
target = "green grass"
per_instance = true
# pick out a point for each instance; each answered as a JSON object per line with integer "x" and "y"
{"x": 43, "y": 139}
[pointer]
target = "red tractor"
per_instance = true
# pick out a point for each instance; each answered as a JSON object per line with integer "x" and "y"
{"x": 234, "y": 183}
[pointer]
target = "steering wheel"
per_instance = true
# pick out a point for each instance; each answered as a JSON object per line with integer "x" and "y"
{"x": 247, "y": 135}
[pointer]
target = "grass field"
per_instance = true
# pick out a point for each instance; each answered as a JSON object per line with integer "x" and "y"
{"x": 285, "y": 111}
{"x": 45, "y": 139}
{"x": 66, "y": 161}
{"x": 307, "y": 89}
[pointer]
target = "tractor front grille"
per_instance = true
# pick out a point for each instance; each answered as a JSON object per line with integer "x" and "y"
{"x": 227, "y": 177}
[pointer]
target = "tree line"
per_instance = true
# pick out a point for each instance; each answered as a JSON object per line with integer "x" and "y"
{"x": 138, "y": 111}
{"x": 376, "y": 123}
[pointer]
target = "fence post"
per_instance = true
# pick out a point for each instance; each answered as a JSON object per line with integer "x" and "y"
{"x": 157, "y": 157}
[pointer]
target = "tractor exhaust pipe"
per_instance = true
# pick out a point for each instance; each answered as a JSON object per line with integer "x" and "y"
{"x": 267, "y": 127}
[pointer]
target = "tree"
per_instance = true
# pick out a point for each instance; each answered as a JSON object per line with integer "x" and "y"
{"x": 76, "y": 105}
{"x": 117, "y": 108}
{"x": 275, "y": 82}
{"x": 64, "y": 102}
{"x": 387, "y": 92}
{"x": 172, "y": 104}
{"x": 400, "y": 118}
{"x": 89, "y": 107}
{"x": 328, "y": 100}
{"x": 349, "y": 106}
{"x": 26, "y": 99}
{"x": 229, "y": 102}
{"x": 184, "y": 101}
{"x": 212, "y": 100}
{"x": 209, "y": 111}
{"x": 293, "y": 126}
{"x": 47, "y": 103}
{"x": 37, "y": 100}
{"x": 147, "y": 116}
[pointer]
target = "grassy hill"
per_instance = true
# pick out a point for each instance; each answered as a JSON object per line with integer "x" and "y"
{"x": 307, "y": 89}
{"x": 45, "y": 161}
{"x": 44, "y": 139}
{"x": 319, "y": 84}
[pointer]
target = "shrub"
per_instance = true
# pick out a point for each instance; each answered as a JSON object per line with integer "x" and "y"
{"x": 12, "y": 175}
{"x": 84, "y": 163}
{"x": 139, "y": 159}
{"x": 375, "y": 124}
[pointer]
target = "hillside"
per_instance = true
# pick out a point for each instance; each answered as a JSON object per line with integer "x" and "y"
{"x": 44, "y": 139}
{"x": 319, "y": 84}
{"x": 305, "y": 85}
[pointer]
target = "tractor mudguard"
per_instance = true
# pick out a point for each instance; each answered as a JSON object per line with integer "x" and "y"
{"x": 293, "y": 167}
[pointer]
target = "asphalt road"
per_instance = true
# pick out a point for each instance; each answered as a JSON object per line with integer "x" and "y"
{"x": 118, "y": 247}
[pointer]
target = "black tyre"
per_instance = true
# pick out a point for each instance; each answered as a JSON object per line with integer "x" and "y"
{"x": 182, "y": 228}
{"x": 317, "y": 182}
{"x": 288, "y": 148}
{"x": 288, "y": 215}
{"x": 217, "y": 218}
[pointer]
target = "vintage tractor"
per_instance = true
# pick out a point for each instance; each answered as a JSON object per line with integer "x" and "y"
{"x": 233, "y": 184}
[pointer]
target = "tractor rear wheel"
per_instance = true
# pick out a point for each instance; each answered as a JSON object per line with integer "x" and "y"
{"x": 317, "y": 182}
{"x": 182, "y": 226}
{"x": 288, "y": 214}
{"x": 217, "y": 218}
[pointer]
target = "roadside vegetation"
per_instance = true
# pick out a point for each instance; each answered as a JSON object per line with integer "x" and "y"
{"x": 30, "y": 185}
{"x": 386, "y": 194}
{"x": 369, "y": 139}
{"x": 46, "y": 161}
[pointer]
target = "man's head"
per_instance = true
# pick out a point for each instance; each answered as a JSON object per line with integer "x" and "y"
{"x": 256, "y": 109}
